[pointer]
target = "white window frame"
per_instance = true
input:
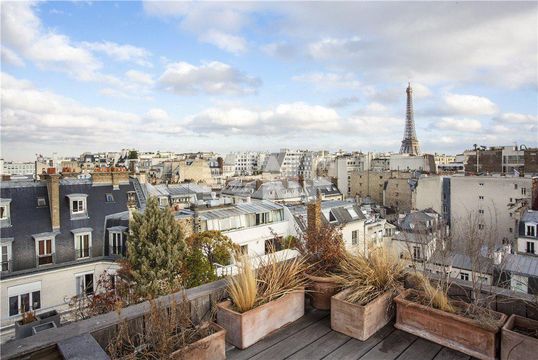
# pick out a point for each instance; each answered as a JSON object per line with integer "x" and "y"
{"x": 527, "y": 247}
{"x": 41, "y": 198}
{"x": 52, "y": 248}
{"x": 464, "y": 276}
{"x": 529, "y": 226}
{"x": 80, "y": 287}
{"x": 78, "y": 235}
{"x": 5, "y": 218}
{"x": 20, "y": 290}
{"x": 111, "y": 235}
{"x": 354, "y": 237}
{"x": 8, "y": 245}
{"x": 417, "y": 250}
{"x": 5, "y": 212}
{"x": 79, "y": 198}
{"x": 163, "y": 201}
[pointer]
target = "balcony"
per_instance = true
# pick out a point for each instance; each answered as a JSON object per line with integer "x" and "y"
{"x": 46, "y": 259}
{"x": 83, "y": 253}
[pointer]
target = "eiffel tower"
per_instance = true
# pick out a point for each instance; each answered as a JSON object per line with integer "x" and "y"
{"x": 410, "y": 142}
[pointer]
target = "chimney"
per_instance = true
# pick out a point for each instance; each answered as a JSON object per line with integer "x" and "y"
{"x": 534, "y": 193}
{"x": 313, "y": 214}
{"x": 53, "y": 188}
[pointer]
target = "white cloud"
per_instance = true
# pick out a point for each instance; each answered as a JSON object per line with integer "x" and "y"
{"x": 10, "y": 57}
{"x": 329, "y": 48}
{"x": 281, "y": 50}
{"x": 344, "y": 101}
{"x": 330, "y": 80}
{"x": 227, "y": 42}
{"x": 516, "y": 118}
{"x": 124, "y": 53}
{"x": 469, "y": 105}
{"x": 281, "y": 119}
{"x": 458, "y": 125}
{"x": 139, "y": 77}
{"x": 211, "y": 78}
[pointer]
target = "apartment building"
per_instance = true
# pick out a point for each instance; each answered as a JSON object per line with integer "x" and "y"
{"x": 488, "y": 203}
{"x": 502, "y": 159}
{"x": 57, "y": 236}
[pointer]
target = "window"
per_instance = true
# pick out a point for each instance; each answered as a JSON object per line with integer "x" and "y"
{"x": 481, "y": 184}
{"x": 41, "y": 202}
{"x": 23, "y": 298}
{"x": 244, "y": 249}
{"x": 354, "y": 237}
{"x": 109, "y": 197}
{"x": 464, "y": 276}
{"x": 262, "y": 218}
{"x": 481, "y": 211}
{"x": 530, "y": 247}
{"x": 515, "y": 186}
{"x": 530, "y": 230}
{"x": 84, "y": 284}
{"x": 6, "y": 256}
{"x": 82, "y": 245}
{"x": 3, "y": 212}
{"x": 77, "y": 206}
{"x": 480, "y": 197}
{"x": 523, "y": 191}
{"x": 416, "y": 252}
{"x": 481, "y": 226}
{"x": 163, "y": 201}
{"x": 116, "y": 243}
{"x": 44, "y": 251}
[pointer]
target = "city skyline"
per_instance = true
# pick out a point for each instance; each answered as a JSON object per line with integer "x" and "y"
{"x": 153, "y": 76}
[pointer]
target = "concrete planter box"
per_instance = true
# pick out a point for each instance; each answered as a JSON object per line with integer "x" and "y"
{"x": 24, "y": 330}
{"x": 451, "y": 330}
{"x": 212, "y": 347}
{"x": 245, "y": 329}
{"x": 360, "y": 321}
{"x": 517, "y": 346}
{"x": 321, "y": 290}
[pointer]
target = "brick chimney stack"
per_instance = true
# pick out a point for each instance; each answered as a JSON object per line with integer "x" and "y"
{"x": 313, "y": 214}
{"x": 53, "y": 188}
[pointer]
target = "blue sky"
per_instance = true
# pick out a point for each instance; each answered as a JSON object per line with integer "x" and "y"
{"x": 183, "y": 76}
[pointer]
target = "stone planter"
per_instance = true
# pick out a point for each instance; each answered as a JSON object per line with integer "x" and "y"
{"x": 451, "y": 330}
{"x": 245, "y": 329}
{"x": 25, "y": 330}
{"x": 321, "y": 290}
{"x": 517, "y": 346}
{"x": 212, "y": 347}
{"x": 360, "y": 321}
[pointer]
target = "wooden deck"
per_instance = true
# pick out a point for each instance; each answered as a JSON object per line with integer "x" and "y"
{"x": 311, "y": 338}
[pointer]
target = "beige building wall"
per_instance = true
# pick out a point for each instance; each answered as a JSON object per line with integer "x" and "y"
{"x": 369, "y": 183}
{"x": 429, "y": 193}
{"x": 484, "y": 202}
{"x": 398, "y": 195}
{"x": 196, "y": 170}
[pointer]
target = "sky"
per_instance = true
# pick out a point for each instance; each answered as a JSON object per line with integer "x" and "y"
{"x": 238, "y": 76}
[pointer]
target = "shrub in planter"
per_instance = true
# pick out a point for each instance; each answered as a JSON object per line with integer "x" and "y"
{"x": 323, "y": 248}
{"x": 370, "y": 284}
{"x": 168, "y": 333}
{"x": 519, "y": 339}
{"x": 262, "y": 300}
{"x": 464, "y": 327}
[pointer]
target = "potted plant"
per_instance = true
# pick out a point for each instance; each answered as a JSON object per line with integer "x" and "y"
{"x": 519, "y": 338}
{"x": 430, "y": 314}
{"x": 262, "y": 300}
{"x": 323, "y": 248}
{"x": 369, "y": 285}
{"x": 23, "y": 327}
{"x": 169, "y": 333}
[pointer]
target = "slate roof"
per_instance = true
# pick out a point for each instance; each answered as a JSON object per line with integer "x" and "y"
{"x": 416, "y": 219}
{"x": 462, "y": 261}
{"x": 528, "y": 216}
{"x": 253, "y": 207}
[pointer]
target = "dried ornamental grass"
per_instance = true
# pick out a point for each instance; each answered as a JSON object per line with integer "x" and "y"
{"x": 369, "y": 277}
{"x": 242, "y": 288}
{"x": 436, "y": 296}
{"x": 273, "y": 279}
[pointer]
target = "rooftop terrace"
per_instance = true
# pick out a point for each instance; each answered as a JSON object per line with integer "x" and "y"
{"x": 311, "y": 338}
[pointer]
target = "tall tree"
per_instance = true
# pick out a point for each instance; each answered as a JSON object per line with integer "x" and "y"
{"x": 156, "y": 251}
{"x": 216, "y": 246}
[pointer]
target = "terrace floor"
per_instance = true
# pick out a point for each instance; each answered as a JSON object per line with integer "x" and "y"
{"x": 311, "y": 338}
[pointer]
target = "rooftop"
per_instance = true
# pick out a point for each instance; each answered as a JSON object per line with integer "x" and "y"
{"x": 311, "y": 338}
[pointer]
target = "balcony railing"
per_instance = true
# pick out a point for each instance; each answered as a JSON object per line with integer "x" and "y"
{"x": 46, "y": 259}
{"x": 83, "y": 253}
{"x": 117, "y": 250}
{"x": 6, "y": 266}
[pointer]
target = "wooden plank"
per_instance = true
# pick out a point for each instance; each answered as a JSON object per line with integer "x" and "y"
{"x": 322, "y": 346}
{"x": 353, "y": 349}
{"x": 449, "y": 354}
{"x": 421, "y": 349}
{"x": 289, "y": 346}
{"x": 310, "y": 317}
{"x": 391, "y": 346}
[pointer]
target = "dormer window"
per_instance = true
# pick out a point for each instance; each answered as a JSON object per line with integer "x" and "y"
{"x": 163, "y": 201}
{"x": 78, "y": 205}
{"x": 530, "y": 230}
{"x": 109, "y": 197}
{"x": 5, "y": 213}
